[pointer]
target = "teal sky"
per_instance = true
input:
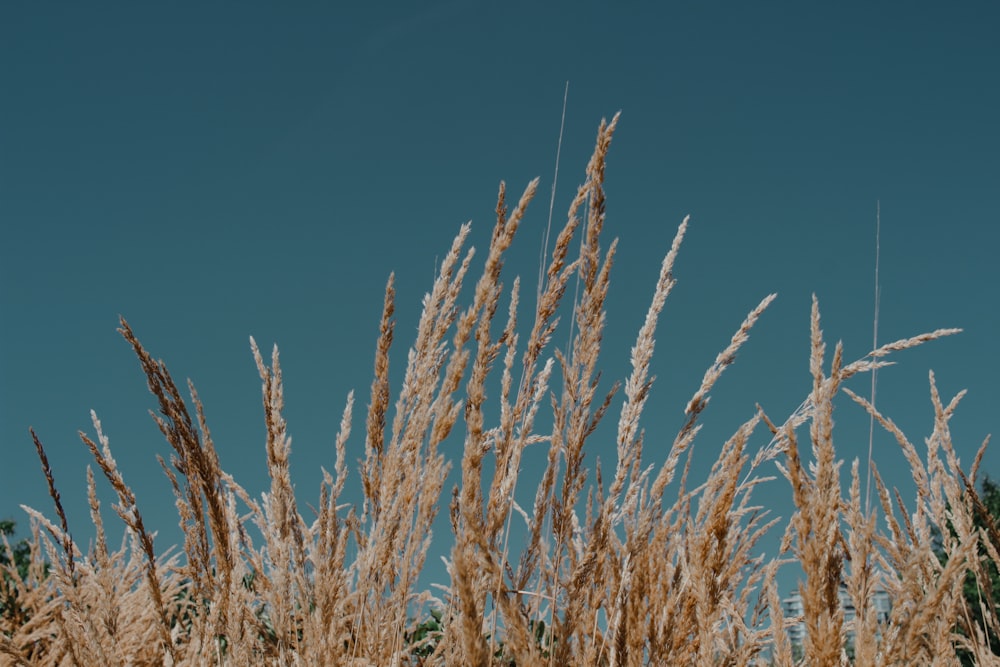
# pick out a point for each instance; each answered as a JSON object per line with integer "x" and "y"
{"x": 215, "y": 170}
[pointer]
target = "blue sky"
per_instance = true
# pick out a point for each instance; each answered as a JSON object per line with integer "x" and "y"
{"x": 213, "y": 171}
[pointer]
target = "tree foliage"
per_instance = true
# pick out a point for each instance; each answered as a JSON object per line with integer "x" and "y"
{"x": 981, "y": 601}
{"x": 19, "y": 555}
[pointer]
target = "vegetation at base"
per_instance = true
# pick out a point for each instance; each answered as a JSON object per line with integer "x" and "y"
{"x": 981, "y": 585}
{"x": 18, "y": 558}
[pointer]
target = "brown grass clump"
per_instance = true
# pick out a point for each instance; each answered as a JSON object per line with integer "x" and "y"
{"x": 645, "y": 567}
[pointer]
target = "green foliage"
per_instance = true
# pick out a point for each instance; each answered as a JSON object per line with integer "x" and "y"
{"x": 21, "y": 550}
{"x": 20, "y": 556}
{"x": 986, "y": 517}
{"x": 426, "y": 636}
{"x": 976, "y": 596}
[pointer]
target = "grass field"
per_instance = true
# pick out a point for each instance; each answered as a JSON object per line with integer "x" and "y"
{"x": 625, "y": 566}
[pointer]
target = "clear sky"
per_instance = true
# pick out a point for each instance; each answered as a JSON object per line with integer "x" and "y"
{"x": 213, "y": 171}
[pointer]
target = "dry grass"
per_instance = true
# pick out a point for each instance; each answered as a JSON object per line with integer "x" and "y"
{"x": 639, "y": 566}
